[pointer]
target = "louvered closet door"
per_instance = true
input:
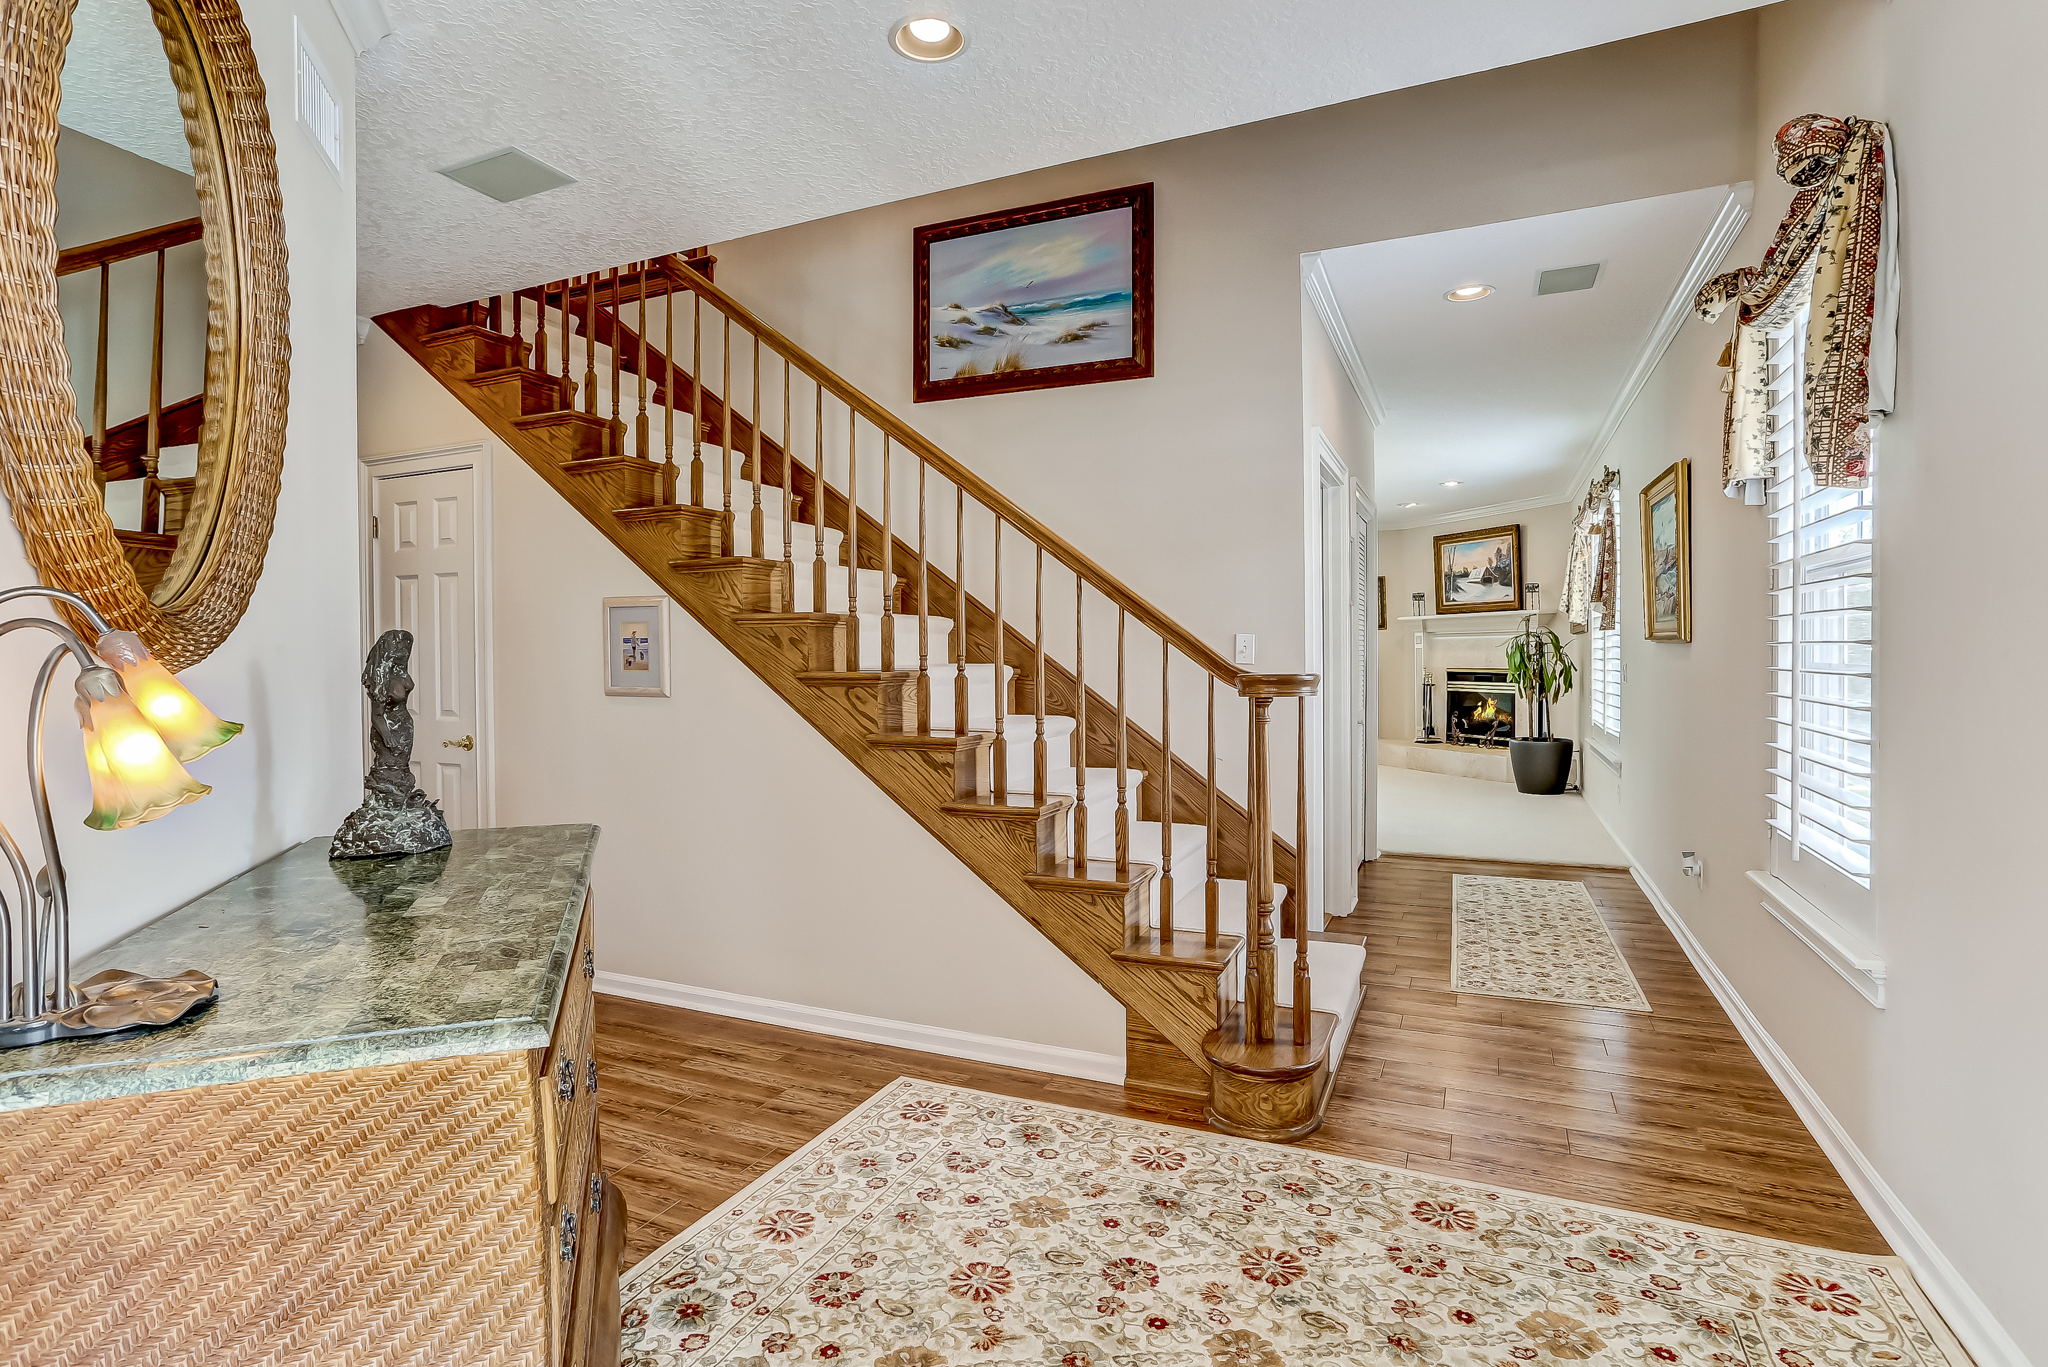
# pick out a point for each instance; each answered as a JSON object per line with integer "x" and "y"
{"x": 1364, "y": 622}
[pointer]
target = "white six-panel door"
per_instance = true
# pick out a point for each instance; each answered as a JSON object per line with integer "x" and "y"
{"x": 424, "y": 576}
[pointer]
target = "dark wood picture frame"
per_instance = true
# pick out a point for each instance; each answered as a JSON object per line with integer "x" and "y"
{"x": 1512, "y": 534}
{"x": 1675, "y": 486}
{"x": 1136, "y": 366}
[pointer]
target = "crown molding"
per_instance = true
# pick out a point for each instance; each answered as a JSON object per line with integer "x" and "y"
{"x": 1316, "y": 284}
{"x": 1706, "y": 261}
{"x": 366, "y": 22}
{"x": 1397, "y": 522}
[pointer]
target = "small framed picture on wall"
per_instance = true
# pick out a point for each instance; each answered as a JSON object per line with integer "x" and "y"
{"x": 636, "y": 647}
{"x": 1667, "y": 555}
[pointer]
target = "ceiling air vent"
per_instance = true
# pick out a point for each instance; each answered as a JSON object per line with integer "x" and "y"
{"x": 506, "y": 175}
{"x": 1567, "y": 279}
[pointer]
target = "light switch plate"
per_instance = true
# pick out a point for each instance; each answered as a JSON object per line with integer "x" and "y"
{"x": 1247, "y": 648}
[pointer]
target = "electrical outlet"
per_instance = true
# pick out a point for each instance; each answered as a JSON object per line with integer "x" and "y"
{"x": 1689, "y": 864}
{"x": 1247, "y": 648}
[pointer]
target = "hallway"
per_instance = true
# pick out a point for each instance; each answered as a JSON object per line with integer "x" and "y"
{"x": 1446, "y": 815}
{"x": 1667, "y": 1113}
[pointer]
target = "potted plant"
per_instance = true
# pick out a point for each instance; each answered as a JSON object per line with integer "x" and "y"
{"x": 1541, "y": 672}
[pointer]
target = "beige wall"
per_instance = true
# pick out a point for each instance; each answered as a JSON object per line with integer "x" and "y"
{"x": 1941, "y": 1089}
{"x": 1188, "y": 486}
{"x": 289, "y": 671}
{"x": 1407, "y": 559}
{"x": 741, "y": 852}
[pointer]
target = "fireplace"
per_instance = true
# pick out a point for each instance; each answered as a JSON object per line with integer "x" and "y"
{"x": 1479, "y": 707}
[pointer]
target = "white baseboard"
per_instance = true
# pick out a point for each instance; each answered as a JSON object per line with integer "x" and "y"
{"x": 1971, "y": 1320}
{"x": 930, "y": 1039}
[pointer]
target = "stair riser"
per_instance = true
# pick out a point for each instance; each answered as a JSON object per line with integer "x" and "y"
{"x": 873, "y": 589}
{"x": 612, "y": 483}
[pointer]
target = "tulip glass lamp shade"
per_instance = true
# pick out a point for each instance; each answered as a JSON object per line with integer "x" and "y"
{"x": 139, "y": 726}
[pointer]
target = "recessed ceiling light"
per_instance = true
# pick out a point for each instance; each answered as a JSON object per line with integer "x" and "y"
{"x": 1452, "y": 483}
{"x": 1411, "y": 505}
{"x": 1465, "y": 294}
{"x": 927, "y": 39}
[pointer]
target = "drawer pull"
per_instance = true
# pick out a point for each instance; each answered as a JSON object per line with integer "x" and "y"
{"x": 565, "y": 1079}
{"x": 568, "y": 1235}
{"x": 590, "y": 1078}
{"x": 589, "y": 964}
{"x": 596, "y": 1192}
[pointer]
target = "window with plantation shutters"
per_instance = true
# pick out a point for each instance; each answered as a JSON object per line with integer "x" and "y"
{"x": 1822, "y": 752}
{"x": 1603, "y": 663}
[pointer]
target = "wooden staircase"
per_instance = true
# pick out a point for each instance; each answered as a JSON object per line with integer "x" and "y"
{"x": 1005, "y": 690}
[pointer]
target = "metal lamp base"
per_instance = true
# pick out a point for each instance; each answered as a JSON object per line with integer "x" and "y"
{"x": 114, "y": 1002}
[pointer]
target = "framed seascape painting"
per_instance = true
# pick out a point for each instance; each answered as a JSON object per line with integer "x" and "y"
{"x": 1480, "y": 571}
{"x": 636, "y": 647}
{"x": 1667, "y": 555}
{"x": 1050, "y": 294}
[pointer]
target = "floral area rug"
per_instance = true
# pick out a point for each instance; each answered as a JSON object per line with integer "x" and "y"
{"x": 938, "y": 1227}
{"x": 1536, "y": 939}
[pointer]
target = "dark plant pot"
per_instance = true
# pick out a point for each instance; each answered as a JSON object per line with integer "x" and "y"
{"x": 1541, "y": 766}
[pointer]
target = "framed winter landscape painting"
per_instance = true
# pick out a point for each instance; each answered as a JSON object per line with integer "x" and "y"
{"x": 1050, "y": 294}
{"x": 1480, "y": 571}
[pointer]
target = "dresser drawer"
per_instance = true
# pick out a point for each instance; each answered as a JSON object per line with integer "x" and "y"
{"x": 568, "y": 1073}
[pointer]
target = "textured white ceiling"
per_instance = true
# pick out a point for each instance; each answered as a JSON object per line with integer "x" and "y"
{"x": 117, "y": 83}
{"x": 1507, "y": 394}
{"x": 690, "y": 121}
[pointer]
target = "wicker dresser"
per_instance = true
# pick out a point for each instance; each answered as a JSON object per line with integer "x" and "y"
{"x": 380, "y": 1146}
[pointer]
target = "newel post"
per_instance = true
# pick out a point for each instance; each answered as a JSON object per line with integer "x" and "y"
{"x": 1261, "y": 965}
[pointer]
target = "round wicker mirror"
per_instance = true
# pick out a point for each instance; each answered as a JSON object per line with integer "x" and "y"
{"x": 54, "y": 473}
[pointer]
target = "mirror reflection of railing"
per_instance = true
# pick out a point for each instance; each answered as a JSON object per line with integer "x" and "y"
{"x": 866, "y": 517}
{"x": 130, "y": 449}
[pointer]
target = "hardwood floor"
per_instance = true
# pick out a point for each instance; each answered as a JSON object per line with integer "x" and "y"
{"x": 1667, "y": 1113}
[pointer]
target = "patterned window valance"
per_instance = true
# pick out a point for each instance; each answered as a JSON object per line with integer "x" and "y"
{"x": 1837, "y": 249}
{"x": 1589, "y": 586}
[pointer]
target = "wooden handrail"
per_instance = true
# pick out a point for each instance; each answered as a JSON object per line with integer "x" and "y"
{"x": 128, "y": 246}
{"x": 980, "y": 490}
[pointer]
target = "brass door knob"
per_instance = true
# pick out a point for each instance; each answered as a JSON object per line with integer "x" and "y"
{"x": 466, "y": 743}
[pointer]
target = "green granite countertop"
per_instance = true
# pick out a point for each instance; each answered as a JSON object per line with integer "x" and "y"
{"x": 325, "y": 965}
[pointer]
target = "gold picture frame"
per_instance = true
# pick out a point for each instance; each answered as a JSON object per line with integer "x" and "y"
{"x": 1469, "y": 572}
{"x": 46, "y": 469}
{"x": 1666, "y": 512}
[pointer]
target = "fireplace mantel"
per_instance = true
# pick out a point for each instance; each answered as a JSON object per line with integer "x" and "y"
{"x": 1476, "y": 623}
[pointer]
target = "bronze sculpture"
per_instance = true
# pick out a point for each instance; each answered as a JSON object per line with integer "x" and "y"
{"x": 395, "y": 817}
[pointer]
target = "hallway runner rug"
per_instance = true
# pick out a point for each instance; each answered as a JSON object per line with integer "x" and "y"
{"x": 1536, "y": 939}
{"x": 936, "y": 1227}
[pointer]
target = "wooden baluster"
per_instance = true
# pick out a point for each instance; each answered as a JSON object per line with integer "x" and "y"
{"x": 1259, "y": 964}
{"x": 1080, "y": 728}
{"x": 1038, "y": 774}
{"x": 888, "y": 563}
{"x": 618, "y": 358}
{"x": 590, "y": 347}
{"x": 642, "y": 429}
{"x": 152, "y": 446}
{"x": 757, "y": 522}
{"x": 725, "y": 537}
{"x": 788, "y": 498}
{"x": 668, "y": 396}
{"x": 818, "y": 572}
{"x": 568, "y": 389}
{"x": 1302, "y": 1006}
{"x": 538, "y": 359}
{"x": 1123, "y": 755}
{"x": 1212, "y": 887}
{"x": 99, "y": 379}
{"x": 518, "y": 330}
{"x": 924, "y": 623}
{"x": 696, "y": 399}
{"x": 853, "y": 525}
{"x": 1002, "y": 752}
{"x": 1166, "y": 791}
{"x": 960, "y": 614}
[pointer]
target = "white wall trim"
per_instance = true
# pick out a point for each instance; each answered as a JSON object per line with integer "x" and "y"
{"x": 819, "y": 1020}
{"x": 1316, "y": 284}
{"x": 1394, "y": 522}
{"x": 1966, "y": 1314}
{"x": 366, "y": 22}
{"x": 1858, "y": 966}
{"x": 1706, "y": 261}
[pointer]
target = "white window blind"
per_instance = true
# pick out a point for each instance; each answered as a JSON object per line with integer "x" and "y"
{"x": 1822, "y": 757}
{"x": 1604, "y": 662}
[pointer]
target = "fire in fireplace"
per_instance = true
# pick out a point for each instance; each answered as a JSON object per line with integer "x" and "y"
{"x": 1479, "y": 707}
